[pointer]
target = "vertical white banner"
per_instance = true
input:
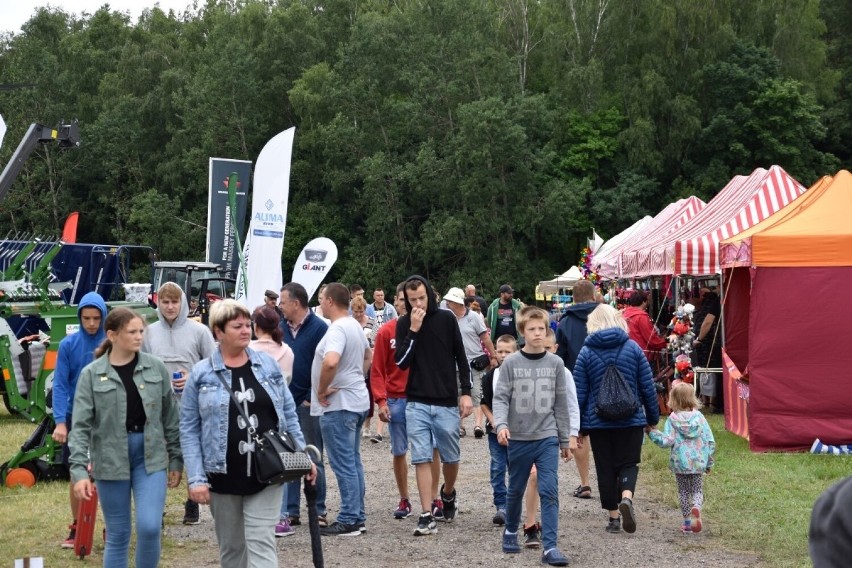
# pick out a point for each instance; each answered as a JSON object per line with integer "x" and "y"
{"x": 2, "y": 130}
{"x": 314, "y": 264}
{"x": 265, "y": 238}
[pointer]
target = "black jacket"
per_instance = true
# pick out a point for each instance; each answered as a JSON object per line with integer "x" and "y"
{"x": 571, "y": 332}
{"x": 432, "y": 355}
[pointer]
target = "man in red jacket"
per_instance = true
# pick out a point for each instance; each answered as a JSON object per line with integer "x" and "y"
{"x": 639, "y": 325}
{"x": 388, "y": 382}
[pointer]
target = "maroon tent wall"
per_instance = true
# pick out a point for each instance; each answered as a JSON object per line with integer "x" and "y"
{"x": 736, "y": 301}
{"x": 800, "y": 357}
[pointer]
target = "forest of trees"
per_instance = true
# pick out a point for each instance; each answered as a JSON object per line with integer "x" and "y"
{"x": 467, "y": 140}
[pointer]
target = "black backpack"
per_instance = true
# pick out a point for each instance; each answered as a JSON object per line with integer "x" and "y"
{"x": 616, "y": 400}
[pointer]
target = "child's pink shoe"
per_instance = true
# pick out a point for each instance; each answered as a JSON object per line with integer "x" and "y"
{"x": 695, "y": 518}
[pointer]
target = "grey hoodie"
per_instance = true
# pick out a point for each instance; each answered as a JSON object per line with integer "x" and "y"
{"x": 180, "y": 345}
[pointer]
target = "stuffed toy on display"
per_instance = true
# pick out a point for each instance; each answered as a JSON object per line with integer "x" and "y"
{"x": 680, "y": 344}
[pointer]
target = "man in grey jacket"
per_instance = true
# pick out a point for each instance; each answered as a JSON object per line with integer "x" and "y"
{"x": 180, "y": 343}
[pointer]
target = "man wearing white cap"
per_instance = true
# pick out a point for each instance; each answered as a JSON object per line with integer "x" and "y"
{"x": 475, "y": 337}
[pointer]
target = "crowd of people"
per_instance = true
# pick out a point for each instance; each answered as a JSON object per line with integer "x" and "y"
{"x": 138, "y": 407}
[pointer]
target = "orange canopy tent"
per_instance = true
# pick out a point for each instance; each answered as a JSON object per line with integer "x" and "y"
{"x": 785, "y": 308}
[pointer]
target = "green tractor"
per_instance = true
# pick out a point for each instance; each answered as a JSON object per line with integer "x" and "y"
{"x": 34, "y": 318}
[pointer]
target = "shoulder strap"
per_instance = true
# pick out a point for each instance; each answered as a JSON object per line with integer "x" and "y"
{"x": 617, "y": 353}
{"x": 225, "y": 384}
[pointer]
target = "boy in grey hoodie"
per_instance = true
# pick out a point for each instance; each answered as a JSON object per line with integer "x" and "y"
{"x": 181, "y": 343}
{"x": 531, "y": 417}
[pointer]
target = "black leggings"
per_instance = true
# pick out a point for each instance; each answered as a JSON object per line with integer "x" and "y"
{"x": 618, "y": 452}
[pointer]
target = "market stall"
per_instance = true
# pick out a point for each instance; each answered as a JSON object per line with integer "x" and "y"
{"x": 783, "y": 318}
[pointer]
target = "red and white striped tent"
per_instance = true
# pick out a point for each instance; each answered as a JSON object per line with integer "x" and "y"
{"x": 669, "y": 219}
{"x": 693, "y": 248}
{"x": 608, "y": 251}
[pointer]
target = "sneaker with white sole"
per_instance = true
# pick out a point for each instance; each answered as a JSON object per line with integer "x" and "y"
{"x": 426, "y": 525}
{"x": 340, "y": 529}
{"x": 283, "y": 528}
{"x": 403, "y": 510}
{"x": 72, "y": 536}
{"x": 438, "y": 510}
{"x": 532, "y": 536}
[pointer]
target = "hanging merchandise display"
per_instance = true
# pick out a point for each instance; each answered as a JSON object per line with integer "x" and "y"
{"x": 680, "y": 344}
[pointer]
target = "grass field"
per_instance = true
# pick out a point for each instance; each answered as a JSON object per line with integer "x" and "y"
{"x": 35, "y": 521}
{"x": 754, "y": 502}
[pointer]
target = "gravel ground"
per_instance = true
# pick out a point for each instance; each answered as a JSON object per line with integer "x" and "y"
{"x": 472, "y": 540}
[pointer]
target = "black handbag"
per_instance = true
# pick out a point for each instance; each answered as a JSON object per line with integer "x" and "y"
{"x": 616, "y": 400}
{"x": 275, "y": 457}
{"x": 480, "y": 363}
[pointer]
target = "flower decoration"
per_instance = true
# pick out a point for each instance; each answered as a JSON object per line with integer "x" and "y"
{"x": 585, "y": 265}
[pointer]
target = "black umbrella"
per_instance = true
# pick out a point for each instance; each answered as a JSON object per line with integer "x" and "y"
{"x": 313, "y": 516}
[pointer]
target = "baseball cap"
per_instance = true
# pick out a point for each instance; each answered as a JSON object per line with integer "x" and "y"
{"x": 455, "y": 295}
{"x": 506, "y": 289}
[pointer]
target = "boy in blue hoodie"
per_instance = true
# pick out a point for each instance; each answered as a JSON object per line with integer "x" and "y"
{"x": 75, "y": 352}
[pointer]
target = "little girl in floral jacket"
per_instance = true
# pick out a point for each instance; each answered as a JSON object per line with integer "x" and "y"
{"x": 689, "y": 436}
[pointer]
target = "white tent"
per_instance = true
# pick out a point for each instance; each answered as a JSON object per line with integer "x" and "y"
{"x": 612, "y": 244}
{"x": 564, "y": 280}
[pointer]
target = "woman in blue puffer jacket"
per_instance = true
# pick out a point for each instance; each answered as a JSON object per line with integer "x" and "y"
{"x": 617, "y": 444}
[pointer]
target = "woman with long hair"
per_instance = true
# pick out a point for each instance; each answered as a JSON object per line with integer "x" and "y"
{"x": 126, "y": 425}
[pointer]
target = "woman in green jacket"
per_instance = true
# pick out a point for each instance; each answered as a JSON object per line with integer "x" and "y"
{"x": 126, "y": 424}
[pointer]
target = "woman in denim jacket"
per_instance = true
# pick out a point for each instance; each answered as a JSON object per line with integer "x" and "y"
{"x": 217, "y": 446}
{"x": 126, "y": 425}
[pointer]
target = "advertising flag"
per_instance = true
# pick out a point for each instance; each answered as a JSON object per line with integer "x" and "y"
{"x": 595, "y": 242}
{"x": 265, "y": 239}
{"x": 314, "y": 263}
{"x": 221, "y": 228}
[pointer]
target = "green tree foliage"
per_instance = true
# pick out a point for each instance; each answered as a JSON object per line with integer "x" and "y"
{"x": 467, "y": 140}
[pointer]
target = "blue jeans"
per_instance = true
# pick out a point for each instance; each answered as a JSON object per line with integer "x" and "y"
{"x": 499, "y": 464}
{"x": 397, "y": 428}
{"x": 149, "y": 496}
{"x": 311, "y": 431}
{"x": 544, "y": 454}
{"x": 341, "y": 431}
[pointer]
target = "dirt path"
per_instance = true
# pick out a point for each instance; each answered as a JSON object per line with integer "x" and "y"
{"x": 472, "y": 540}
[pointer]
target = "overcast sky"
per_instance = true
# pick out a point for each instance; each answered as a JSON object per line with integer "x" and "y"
{"x": 14, "y": 13}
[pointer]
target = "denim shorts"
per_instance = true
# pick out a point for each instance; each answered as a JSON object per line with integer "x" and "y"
{"x": 396, "y": 428}
{"x": 431, "y": 427}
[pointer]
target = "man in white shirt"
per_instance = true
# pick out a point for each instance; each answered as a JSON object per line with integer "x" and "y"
{"x": 339, "y": 397}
